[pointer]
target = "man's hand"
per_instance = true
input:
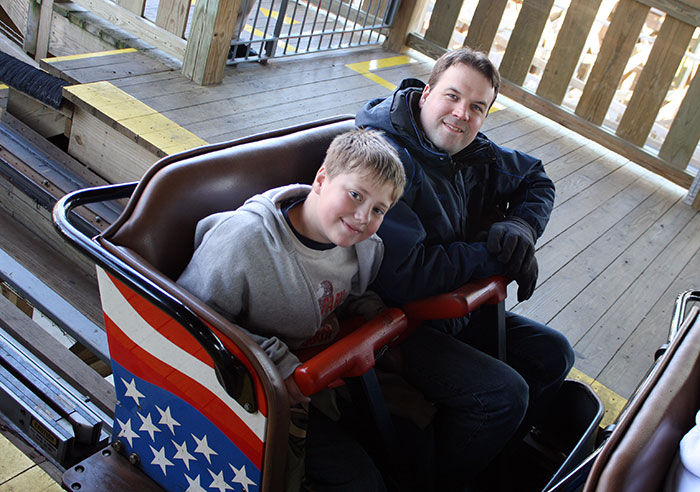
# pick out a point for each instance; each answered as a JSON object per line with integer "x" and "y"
{"x": 513, "y": 241}
{"x": 294, "y": 393}
{"x": 526, "y": 279}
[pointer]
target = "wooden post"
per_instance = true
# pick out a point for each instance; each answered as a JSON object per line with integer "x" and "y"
{"x": 209, "y": 40}
{"x": 136, "y": 6}
{"x": 693, "y": 196}
{"x": 172, "y": 15}
{"x": 443, "y": 21}
{"x": 44, "y": 32}
{"x": 32, "y": 30}
{"x": 484, "y": 24}
{"x": 524, "y": 39}
{"x": 407, "y": 19}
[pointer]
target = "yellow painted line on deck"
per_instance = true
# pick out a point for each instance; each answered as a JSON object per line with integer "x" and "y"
{"x": 144, "y": 122}
{"x": 19, "y": 472}
{"x": 612, "y": 402}
{"x": 95, "y": 54}
{"x": 3, "y": 87}
{"x": 248, "y": 28}
{"x": 365, "y": 68}
{"x": 274, "y": 14}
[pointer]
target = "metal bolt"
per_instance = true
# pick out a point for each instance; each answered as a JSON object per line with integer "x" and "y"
{"x": 118, "y": 446}
{"x": 134, "y": 459}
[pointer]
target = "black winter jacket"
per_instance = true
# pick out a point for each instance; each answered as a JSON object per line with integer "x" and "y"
{"x": 432, "y": 236}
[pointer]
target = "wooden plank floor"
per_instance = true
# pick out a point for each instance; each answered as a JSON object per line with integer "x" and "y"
{"x": 620, "y": 246}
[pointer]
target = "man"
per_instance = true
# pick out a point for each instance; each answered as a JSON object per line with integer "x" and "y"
{"x": 470, "y": 209}
{"x": 241, "y": 50}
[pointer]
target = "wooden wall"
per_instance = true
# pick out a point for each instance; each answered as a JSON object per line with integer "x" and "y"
{"x": 618, "y": 45}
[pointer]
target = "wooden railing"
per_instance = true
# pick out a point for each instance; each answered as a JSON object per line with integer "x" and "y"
{"x": 559, "y": 72}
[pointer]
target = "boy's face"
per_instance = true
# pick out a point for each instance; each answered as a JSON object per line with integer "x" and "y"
{"x": 453, "y": 110}
{"x": 351, "y": 207}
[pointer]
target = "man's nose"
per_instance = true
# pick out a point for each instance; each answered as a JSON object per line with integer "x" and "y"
{"x": 460, "y": 111}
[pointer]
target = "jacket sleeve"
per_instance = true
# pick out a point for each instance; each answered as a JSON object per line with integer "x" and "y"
{"x": 414, "y": 269}
{"x": 533, "y": 198}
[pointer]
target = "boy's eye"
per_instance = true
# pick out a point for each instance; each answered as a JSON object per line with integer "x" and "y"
{"x": 355, "y": 195}
{"x": 379, "y": 211}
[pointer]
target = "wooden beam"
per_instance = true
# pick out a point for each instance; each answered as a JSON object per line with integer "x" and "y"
{"x": 654, "y": 81}
{"x": 17, "y": 12}
{"x": 209, "y": 40}
{"x": 140, "y": 27}
{"x": 172, "y": 15}
{"x": 44, "y": 33}
{"x": 45, "y": 120}
{"x": 687, "y": 11}
{"x": 443, "y": 21}
{"x": 407, "y": 19}
{"x": 683, "y": 136}
{"x": 627, "y": 22}
{"x": 596, "y": 133}
{"x": 524, "y": 40}
{"x": 566, "y": 53}
{"x": 138, "y": 7}
{"x": 57, "y": 357}
{"x": 31, "y": 30}
{"x": 484, "y": 24}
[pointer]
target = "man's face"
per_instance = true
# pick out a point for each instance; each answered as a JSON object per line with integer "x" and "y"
{"x": 453, "y": 110}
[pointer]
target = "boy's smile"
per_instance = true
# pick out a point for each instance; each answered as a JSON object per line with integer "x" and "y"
{"x": 349, "y": 208}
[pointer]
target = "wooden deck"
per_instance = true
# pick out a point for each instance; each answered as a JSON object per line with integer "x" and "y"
{"x": 620, "y": 246}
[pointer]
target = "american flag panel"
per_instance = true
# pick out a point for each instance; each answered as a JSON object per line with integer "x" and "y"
{"x": 189, "y": 434}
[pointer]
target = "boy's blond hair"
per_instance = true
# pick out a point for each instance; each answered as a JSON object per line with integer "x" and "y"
{"x": 367, "y": 152}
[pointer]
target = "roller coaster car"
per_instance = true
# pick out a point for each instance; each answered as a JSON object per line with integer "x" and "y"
{"x": 199, "y": 405}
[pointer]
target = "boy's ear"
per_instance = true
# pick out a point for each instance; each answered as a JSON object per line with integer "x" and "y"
{"x": 319, "y": 179}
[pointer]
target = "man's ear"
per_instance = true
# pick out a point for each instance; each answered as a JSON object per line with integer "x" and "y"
{"x": 319, "y": 179}
{"x": 423, "y": 96}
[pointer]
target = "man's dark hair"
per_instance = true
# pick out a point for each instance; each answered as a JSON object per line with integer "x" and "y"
{"x": 471, "y": 58}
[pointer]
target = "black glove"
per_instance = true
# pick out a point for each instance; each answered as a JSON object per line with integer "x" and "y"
{"x": 527, "y": 279}
{"x": 513, "y": 240}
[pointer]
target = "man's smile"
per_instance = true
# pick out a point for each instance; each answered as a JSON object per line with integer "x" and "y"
{"x": 452, "y": 127}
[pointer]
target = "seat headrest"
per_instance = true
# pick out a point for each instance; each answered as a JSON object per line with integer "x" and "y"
{"x": 159, "y": 221}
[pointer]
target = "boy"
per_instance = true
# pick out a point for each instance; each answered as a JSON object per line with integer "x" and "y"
{"x": 282, "y": 263}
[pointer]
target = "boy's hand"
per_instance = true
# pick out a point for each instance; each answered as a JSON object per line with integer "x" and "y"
{"x": 295, "y": 394}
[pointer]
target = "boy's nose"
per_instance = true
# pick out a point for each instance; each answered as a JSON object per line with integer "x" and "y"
{"x": 362, "y": 215}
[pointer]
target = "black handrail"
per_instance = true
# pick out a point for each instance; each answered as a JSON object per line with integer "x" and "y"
{"x": 233, "y": 375}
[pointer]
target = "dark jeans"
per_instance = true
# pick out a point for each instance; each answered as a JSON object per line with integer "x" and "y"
{"x": 481, "y": 401}
{"x": 336, "y": 461}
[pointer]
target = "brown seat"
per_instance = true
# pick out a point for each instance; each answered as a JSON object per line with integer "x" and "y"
{"x": 639, "y": 453}
{"x": 153, "y": 239}
{"x": 159, "y": 221}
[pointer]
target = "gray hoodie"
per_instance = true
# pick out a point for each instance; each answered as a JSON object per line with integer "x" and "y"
{"x": 246, "y": 267}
